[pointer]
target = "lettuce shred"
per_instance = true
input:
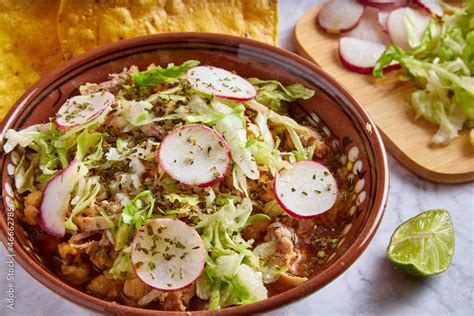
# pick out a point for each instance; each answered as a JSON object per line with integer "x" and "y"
{"x": 276, "y": 96}
{"x": 232, "y": 274}
{"x": 161, "y": 75}
{"x": 442, "y": 65}
{"x": 122, "y": 265}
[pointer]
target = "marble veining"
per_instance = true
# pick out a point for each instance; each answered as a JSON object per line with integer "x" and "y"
{"x": 371, "y": 286}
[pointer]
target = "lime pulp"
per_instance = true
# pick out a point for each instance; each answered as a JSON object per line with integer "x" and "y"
{"x": 423, "y": 245}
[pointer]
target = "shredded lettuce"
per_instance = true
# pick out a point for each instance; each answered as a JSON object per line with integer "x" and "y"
{"x": 276, "y": 96}
{"x": 261, "y": 121}
{"x": 227, "y": 265}
{"x": 87, "y": 189}
{"x": 189, "y": 199}
{"x": 239, "y": 181}
{"x": 159, "y": 75}
{"x": 134, "y": 215}
{"x": 24, "y": 137}
{"x": 126, "y": 150}
{"x": 122, "y": 266}
{"x": 231, "y": 275}
{"x": 301, "y": 153}
{"x": 24, "y": 179}
{"x": 137, "y": 113}
{"x": 263, "y": 147}
{"x": 208, "y": 118}
{"x": 125, "y": 233}
{"x": 275, "y": 117}
{"x": 203, "y": 288}
{"x": 232, "y": 127}
{"x": 252, "y": 281}
{"x": 268, "y": 157}
{"x": 442, "y": 64}
{"x": 230, "y": 217}
{"x": 138, "y": 212}
{"x": 256, "y": 217}
{"x": 52, "y": 147}
{"x": 167, "y": 95}
{"x": 87, "y": 142}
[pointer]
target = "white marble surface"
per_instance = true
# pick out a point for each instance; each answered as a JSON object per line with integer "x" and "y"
{"x": 369, "y": 287}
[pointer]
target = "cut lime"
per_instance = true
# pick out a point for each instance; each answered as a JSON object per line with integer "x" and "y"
{"x": 424, "y": 244}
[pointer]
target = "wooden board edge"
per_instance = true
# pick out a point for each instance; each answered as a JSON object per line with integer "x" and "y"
{"x": 422, "y": 171}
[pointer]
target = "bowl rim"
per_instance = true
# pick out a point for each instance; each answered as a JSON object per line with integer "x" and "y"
{"x": 338, "y": 267}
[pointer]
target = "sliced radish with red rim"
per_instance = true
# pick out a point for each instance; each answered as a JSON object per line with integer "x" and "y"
{"x": 167, "y": 254}
{"x": 360, "y": 56}
{"x": 81, "y": 109}
{"x": 220, "y": 83}
{"x": 369, "y": 29}
{"x": 55, "y": 200}
{"x": 306, "y": 190}
{"x": 339, "y": 16}
{"x": 397, "y": 29}
{"x": 431, "y": 6}
{"x": 195, "y": 155}
{"x": 384, "y": 4}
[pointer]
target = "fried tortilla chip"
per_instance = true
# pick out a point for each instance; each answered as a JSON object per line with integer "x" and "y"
{"x": 29, "y": 46}
{"x": 83, "y": 25}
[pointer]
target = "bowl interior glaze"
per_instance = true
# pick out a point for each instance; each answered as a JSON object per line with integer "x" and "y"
{"x": 333, "y": 109}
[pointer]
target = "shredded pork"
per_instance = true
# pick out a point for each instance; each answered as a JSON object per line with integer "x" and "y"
{"x": 154, "y": 130}
{"x": 115, "y": 83}
{"x": 285, "y": 239}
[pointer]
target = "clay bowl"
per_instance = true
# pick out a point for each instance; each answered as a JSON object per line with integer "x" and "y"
{"x": 337, "y": 113}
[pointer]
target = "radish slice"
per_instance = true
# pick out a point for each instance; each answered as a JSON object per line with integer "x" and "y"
{"x": 384, "y": 4}
{"x": 431, "y": 6}
{"x": 81, "y": 109}
{"x": 369, "y": 29}
{"x": 360, "y": 56}
{"x": 307, "y": 189}
{"x": 55, "y": 201}
{"x": 220, "y": 83}
{"x": 340, "y": 15}
{"x": 382, "y": 19}
{"x": 167, "y": 254}
{"x": 397, "y": 29}
{"x": 195, "y": 155}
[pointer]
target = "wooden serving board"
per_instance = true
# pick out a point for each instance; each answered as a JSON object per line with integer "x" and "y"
{"x": 387, "y": 102}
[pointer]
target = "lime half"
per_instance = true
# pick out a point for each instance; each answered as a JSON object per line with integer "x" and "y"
{"x": 424, "y": 244}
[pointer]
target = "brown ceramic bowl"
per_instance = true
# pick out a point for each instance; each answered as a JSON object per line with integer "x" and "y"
{"x": 337, "y": 111}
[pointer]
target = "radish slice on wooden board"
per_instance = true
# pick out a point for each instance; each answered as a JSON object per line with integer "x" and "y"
{"x": 369, "y": 29}
{"x": 382, "y": 19}
{"x": 397, "y": 28}
{"x": 340, "y": 15}
{"x": 81, "y": 109}
{"x": 55, "y": 201}
{"x": 384, "y": 4}
{"x": 430, "y": 6}
{"x": 168, "y": 254}
{"x": 307, "y": 189}
{"x": 195, "y": 155}
{"x": 360, "y": 56}
{"x": 220, "y": 83}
